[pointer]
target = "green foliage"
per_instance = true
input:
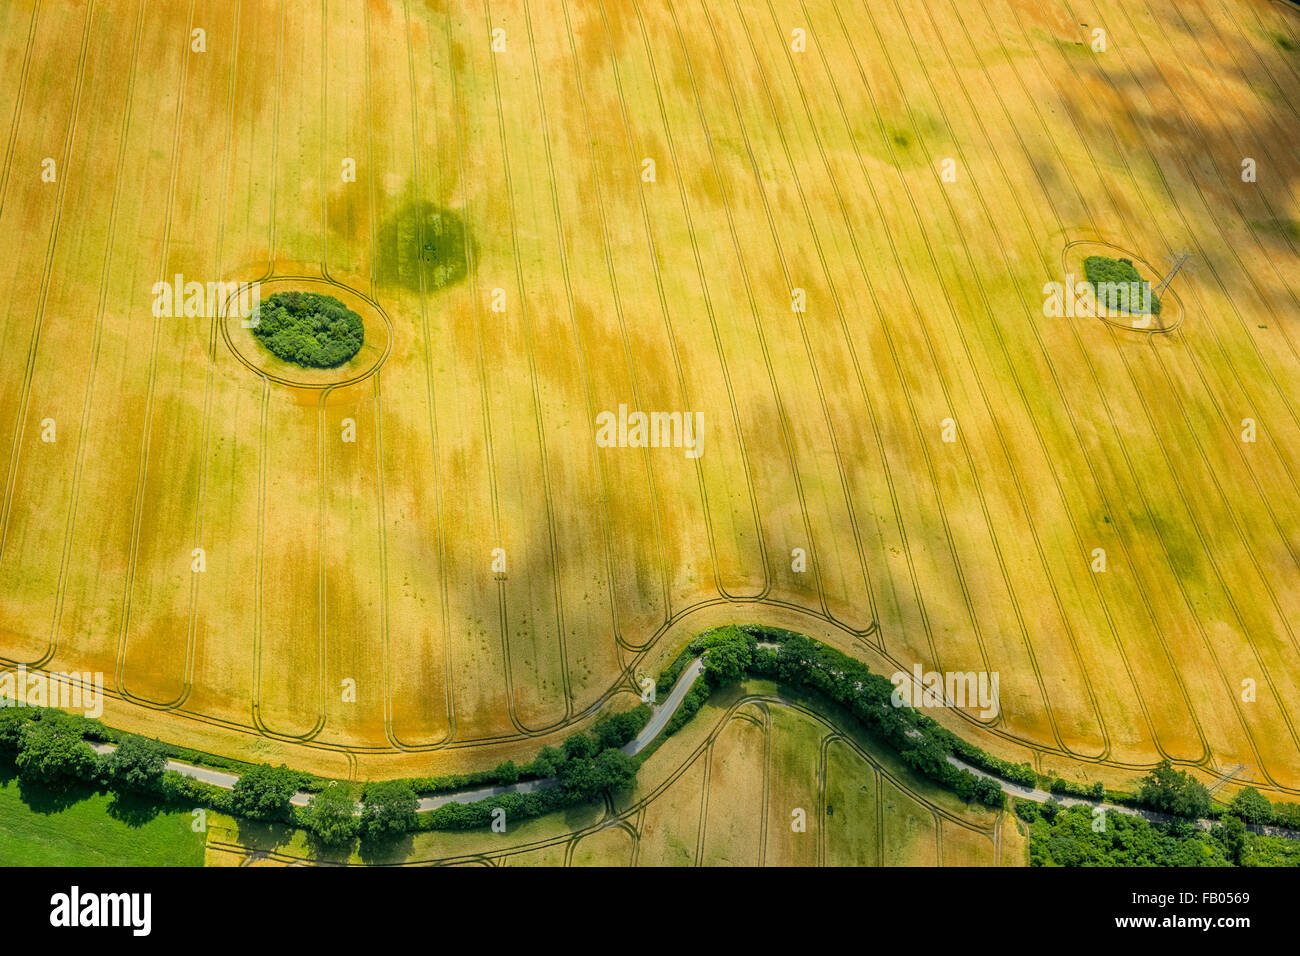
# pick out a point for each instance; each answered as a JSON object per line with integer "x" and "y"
{"x": 448, "y": 783}
{"x": 177, "y": 788}
{"x": 1118, "y": 285}
{"x": 263, "y": 793}
{"x": 1252, "y": 806}
{"x": 137, "y": 764}
{"x": 1175, "y": 792}
{"x": 618, "y": 730}
{"x": 331, "y": 815}
{"x": 1231, "y": 835}
{"x": 548, "y": 762}
{"x": 12, "y": 722}
{"x": 615, "y": 770}
{"x": 1026, "y": 810}
{"x": 691, "y": 703}
{"x": 311, "y": 330}
{"x": 517, "y": 806}
{"x": 669, "y": 675}
{"x": 52, "y": 753}
{"x": 987, "y": 792}
{"x": 728, "y": 653}
{"x": 920, "y": 741}
{"x": 1021, "y": 773}
{"x": 1287, "y": 815}
{"x": 589, "y": 777}
{"x": 580, "y": 745}
{"x": 506, "y": 773}
{"x": 1068, "y": 788}
{"x": 1269, "y": 851}
{"x": 578, "y": 776}
{"x": 767, "y": 634}
{"x": 388, "y": 809}
{"x": 1067, "y": 837}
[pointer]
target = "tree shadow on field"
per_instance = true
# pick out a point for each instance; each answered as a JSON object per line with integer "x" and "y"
{"x": 387, "y": 849}
{"x": 421, "y": 236}
{"x": 133, "y": 809}
{"x": 52, "y": 798}
{"x": 1154, "y": 101}
{"x": 262, "y": 835}
{"x": 318, "y": 851}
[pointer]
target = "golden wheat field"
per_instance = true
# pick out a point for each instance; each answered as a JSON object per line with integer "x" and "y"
{"x": 821, "y": 230}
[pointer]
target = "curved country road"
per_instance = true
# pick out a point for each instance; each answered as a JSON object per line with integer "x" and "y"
{"x": 659, "y": 717}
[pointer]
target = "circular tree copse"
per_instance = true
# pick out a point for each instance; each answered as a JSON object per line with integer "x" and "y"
{"x": 308, "y": 329}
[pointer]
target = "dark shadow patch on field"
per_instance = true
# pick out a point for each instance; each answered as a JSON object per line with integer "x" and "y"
{"x": 1165, "y": 95}
{"x": 132, "y": 809}
{"x": 265, "y": 836}
{"x": 387, "y": 850}
{"x": 1284, "y": 232}
{"x": 422, "y": 236}
{"x": 43, "y": 798}
{"x": 40, "y": 797}
{"x": 318, "y": 851}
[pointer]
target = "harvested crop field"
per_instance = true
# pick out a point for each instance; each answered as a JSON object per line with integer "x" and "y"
{"x": 820, "y": 234}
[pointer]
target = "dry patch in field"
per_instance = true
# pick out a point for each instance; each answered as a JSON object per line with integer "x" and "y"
{"x": 823, "y": 227}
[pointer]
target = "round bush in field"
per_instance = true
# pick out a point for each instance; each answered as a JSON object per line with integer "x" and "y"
{"x": 311, "y": 330}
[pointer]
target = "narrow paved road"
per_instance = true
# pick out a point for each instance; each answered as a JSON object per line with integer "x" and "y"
{"x": 662, "y": 713}
{"x": 659, "y": 717}
{"x": 1042, "y": 796}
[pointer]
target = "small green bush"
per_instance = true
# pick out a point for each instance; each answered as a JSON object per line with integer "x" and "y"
{"x": 1118, "y": 285}
{"x": 314, "y": 331}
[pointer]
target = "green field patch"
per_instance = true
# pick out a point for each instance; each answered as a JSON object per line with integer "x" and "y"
{"x": 422, "y": 239}
{"x": 81, "y": 826}
{"x": 1285, "y": 229}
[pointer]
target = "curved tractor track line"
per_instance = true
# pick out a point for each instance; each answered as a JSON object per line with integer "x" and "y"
{"x": 778, "y": 402}
{"x": 627, "y": 673}
{"x": 989, "y": 217}
{"x": 632, "y": 816}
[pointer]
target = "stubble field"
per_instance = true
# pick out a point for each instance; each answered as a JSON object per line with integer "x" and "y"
{"x": 519, "y": 274}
